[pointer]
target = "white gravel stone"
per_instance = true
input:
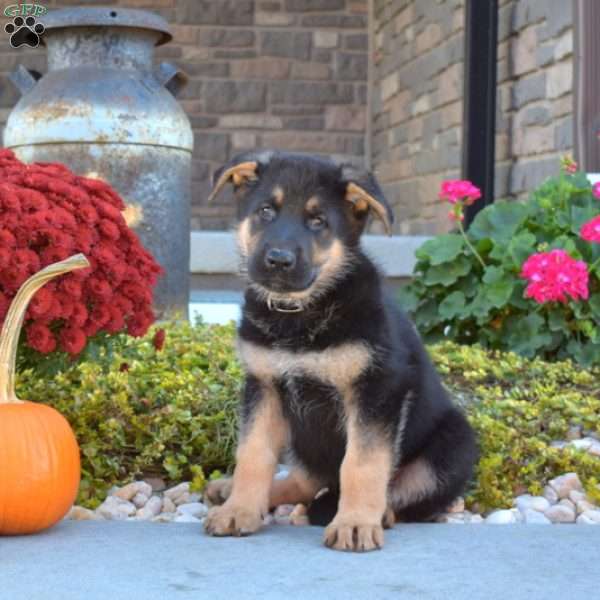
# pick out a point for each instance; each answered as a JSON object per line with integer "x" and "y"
{"x": 535, "y": 517}
{"x": 185, "y": 518}
{"x": 140, "y": 500}
{"x": 527, "y": 501}
{"x": 565, "y": 483}
{"x": 560, "y": 444}
{"x": 550, "y": 494}
{"x": 585, "y": 505}
{"x": 152, "y": 509}
{"x": 299, "y": 516}
{"x": 501, "y": 517}
{"x": 575, "y": 496}
{"x": 168, "y": 506}
{"x": 570, "y": 505}
{"x": 179, "y": 491}
{"x": 127, "y": 492}
{"x": 589, "y": 517}
{"x": 282, "y": 472}
{"x": 574, "y": 432}
{"x": 582, "y": 444}
{"x": 284, "y": 510}
{"x": 80, "y": 513}
{"x": 183, "y": 498}
{"x": 560, "y": 514}
{"x": 116, "y": 509}
{"x": 163, "y": 518}
{"x": 195, "y": 509}
{"x": 594, "y": 449}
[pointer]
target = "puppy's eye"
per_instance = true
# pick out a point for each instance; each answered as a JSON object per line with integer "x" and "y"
{"x": 317, "y": 223}
{"x": 267, "y": 213}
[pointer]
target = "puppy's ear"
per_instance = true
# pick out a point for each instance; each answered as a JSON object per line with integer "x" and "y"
{"x": 239, "y": 170}
{"x": 363, "y": 191}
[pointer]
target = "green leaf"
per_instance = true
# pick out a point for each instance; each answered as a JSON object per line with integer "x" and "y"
{"x": 521, "y": 247}
{"x": 594, "y": 303}
{"x": 586, "y": 354}
{"x": 441, "y": 249}
{"x": 493, "y": 274}
{"x": 526, "y": 334}
{"x": 409, "y": 298}
{"x": 453, "y": 305}
{"x": 581, "y": 215}
{"x": 448, "y": 273}
{"x": 557, "y": 320}
{"x": 499, "y": 221}
{"x": 427, "y": 316}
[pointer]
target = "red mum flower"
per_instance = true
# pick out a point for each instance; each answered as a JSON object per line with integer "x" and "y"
{"x": 12, "y": 277}
{"x": 99, "y": 288}
{"x": 4, "y": 305}
{"x": 41, "y": 303}
{"x": 72, "y": 287}
{"x": 109, "y": 229}
{"x": 116, "y": 322}
{"x": 7, "y": 238}
{"x": 32, "y": 200}
{"x": 47, "y": 213}
{"x": 158, "y": 341}
{"x": 80, "y": 314}
{"x": 40, "y": 338}
{"x": 72, "y": 340}
{"x": 100, "y": 314}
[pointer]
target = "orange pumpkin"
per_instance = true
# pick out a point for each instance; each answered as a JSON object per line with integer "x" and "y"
{"x": 39, "y": 455}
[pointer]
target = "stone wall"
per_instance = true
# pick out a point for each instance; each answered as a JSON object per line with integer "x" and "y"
{"x": 266, "y": 73}
{"x": 417, "y": 102}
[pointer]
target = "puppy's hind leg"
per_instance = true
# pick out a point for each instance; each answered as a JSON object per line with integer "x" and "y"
{"x": 425, "y": 487}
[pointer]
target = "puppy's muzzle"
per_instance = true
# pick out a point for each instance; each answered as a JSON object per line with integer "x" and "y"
{"x": 280, "y": 259}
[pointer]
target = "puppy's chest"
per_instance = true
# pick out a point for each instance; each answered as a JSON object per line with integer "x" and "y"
{"x": 336, "y": 366}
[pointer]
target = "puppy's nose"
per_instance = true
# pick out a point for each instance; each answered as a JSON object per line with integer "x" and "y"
{"x": 278, "y": 258}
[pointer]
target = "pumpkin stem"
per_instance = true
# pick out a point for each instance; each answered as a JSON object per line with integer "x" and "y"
{"x": 9, "y": 337}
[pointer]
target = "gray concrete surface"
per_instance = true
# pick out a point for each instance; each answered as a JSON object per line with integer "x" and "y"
{"x": 147, "y": 561}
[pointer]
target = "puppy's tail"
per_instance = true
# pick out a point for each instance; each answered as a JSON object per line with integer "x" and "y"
{"x": 323, "y": 508}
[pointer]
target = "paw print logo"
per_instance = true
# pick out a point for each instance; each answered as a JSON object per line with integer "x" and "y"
{"x": 24, "y": 32}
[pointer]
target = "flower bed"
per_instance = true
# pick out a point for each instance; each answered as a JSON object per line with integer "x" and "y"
{"x": 524, "y": 277}
{"x": 139, "y": 411}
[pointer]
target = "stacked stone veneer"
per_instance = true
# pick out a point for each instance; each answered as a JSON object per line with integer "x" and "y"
{"x": 417, "y": 103}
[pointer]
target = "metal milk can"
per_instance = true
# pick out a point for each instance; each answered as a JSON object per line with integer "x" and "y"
{"x": 105, "y": 111}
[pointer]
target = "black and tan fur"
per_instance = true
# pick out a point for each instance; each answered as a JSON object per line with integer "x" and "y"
{"x": 338, "y": 383}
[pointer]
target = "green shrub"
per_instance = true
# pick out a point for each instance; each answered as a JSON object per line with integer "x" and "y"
{"x": 518, "y": 407}
{"x": 453, "y": 296}
{"x": 139, "y": 412}
{"x": 173, "y": 413}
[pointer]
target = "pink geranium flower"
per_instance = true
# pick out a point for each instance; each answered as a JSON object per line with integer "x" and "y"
{"x": 590, "y": 231}
{"x": 596, "y": 189}
{"x": 568, "y": 165}
{"x": 553, "y": 276}
{"x": 455, "y": 190}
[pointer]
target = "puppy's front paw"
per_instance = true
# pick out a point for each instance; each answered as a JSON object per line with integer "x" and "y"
{"x": 231, "y": 519}
{"x": 353, "y": 534}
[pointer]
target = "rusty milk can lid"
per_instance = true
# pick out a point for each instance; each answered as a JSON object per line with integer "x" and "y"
{"x": 112, "y": 16}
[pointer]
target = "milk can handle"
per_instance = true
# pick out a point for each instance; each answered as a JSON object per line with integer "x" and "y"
{"x": 24, "y": 79}
{"x": 171, "y": 77}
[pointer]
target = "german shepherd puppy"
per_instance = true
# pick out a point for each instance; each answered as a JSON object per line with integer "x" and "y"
{"x": 338, "y": 382}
